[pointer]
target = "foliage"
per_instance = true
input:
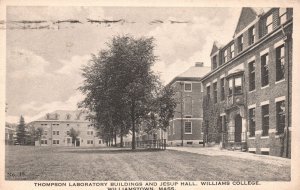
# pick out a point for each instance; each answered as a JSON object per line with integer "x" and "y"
{"x": 121, "y": 88}
{"x": 21, "y": 132}
{"x": 211, "y": 120}
{"x": 74, "y": 134}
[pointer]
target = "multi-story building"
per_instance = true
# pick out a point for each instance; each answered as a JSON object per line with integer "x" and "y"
{"x": 57, "y": 128}
{"x": 250, "y": 83}
{"x": 10, "y": 133}
{"x": 186, "y": 126}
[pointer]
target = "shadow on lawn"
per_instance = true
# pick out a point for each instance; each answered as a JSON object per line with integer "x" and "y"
{"x": 109, "y": 151}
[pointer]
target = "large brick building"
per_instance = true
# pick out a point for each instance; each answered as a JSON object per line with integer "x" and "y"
{"x": 57, "y": 125}
{"x": 250, "y": 83}
{"x": 186, "y": 126}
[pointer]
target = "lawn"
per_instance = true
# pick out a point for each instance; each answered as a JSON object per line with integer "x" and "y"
{"x": 103, "y": 164}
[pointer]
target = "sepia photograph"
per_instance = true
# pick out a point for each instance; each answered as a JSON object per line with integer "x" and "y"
{"x": 135, "y": 97}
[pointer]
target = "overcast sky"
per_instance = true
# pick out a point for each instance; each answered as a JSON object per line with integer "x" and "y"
{"x": 43, "y": 66}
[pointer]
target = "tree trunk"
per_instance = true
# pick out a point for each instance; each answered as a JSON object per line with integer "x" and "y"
{"x": 121, "y": 138}
{"x": 115, "y": 136}
{"x": 133, "y": 126}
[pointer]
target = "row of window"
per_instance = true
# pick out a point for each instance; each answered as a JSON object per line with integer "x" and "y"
{"x": 280, "y": 119}
{"x": 68, "y": 132}
{"x": 235, "y": 83}
{"x": 68, "y": 141}
{"x": 266, "y": 27}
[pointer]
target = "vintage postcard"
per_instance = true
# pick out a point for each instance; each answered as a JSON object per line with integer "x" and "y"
{"x": 149, "y": 95}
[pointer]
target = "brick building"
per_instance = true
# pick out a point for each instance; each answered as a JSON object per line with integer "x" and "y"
{"x": 57, "y": 125}
{"x": 250, "y": 83}
{"x": 186, "y": 126}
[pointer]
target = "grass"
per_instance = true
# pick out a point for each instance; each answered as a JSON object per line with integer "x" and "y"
{"x": 104, "y": 164}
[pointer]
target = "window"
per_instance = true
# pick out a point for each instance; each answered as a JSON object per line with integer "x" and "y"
{"x": 208, "y": 92}
{"x": 251, "y": 76}
{"x": 90, "y": 132}
{"x": 90, "y": 142}
{"x": 265, "y": 120}
{"x": 231, "y": 51}
{"x": 45, "y": 132}
{"x": 214, "y": 62}
{"x": 68, "y": 117}
{"x": 280, "y": 117}
{"x": 101, "y": 141}
{"x": 222, "y": 89}
{"x": 44, "y": 142}
{"x": 188, "y": 87}
{"x": 215, "y": 91}
{"x": 280, "y": 55}
{"x": 68, "y": 140}
{"x": 188, "y": 127}
{"x": 252, "y": 122}
{"x": 265, "y": 70}
{"x": 251, "y": 35}
{"x": 188, "y": 116}
{"x": 230, "y": 86}
{"x": 269, "y": 24}
{"x": 55, "y": 141}
{"x": 68, "y": 124}
{"x": 68, "y": 132}
{"x": 240, "y": 43}
{"x": 282, "y": 15}
{"x": 55, "y": 132}
{"x": 225, "y": 57}
{"x": 238, "y": 85}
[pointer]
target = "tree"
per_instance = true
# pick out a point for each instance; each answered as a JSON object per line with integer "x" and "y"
{"x": 21, "y": 132}
{"x": 74, "y": 134}
{"x": 38, "y": 134}
{"x": 120, "y": 86}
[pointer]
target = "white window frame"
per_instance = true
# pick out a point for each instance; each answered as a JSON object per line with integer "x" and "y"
{"x": 191, "y": 87}
{"x": 191, "y": 127}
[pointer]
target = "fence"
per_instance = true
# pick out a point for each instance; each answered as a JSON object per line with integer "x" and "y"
{"x": 149, "y": 144}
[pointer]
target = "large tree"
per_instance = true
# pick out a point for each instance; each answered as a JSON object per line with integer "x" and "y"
{"x": 120, "y": 86}
{"x": 21, "y": 132}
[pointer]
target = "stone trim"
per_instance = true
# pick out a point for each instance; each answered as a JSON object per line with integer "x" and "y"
{"x": 281, "y": 98}
{"x": 251, "y": 59}
{"x": 252, "y": 106}
{"x": 264, "y": 103}
{"x": 265, "y": 51}
{"x": 279, "y": 43}
{"x": 265, "y": 149}
{"x": 258, "y": 132}
{"x": 252, "y": 149}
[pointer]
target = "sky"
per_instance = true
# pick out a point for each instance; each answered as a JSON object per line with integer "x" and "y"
{"x": 43, "y": 67}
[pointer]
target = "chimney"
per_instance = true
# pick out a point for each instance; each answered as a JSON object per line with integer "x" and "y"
{"x": 199, "y": 64}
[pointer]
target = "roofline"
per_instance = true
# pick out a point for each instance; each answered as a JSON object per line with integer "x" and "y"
{"x": 266, "y": 37}
{"x": 196, "y": 79}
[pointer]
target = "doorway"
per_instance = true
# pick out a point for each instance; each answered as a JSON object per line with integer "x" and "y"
{"x": 238, "y": 128}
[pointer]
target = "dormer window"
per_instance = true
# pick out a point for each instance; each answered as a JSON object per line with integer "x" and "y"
{"x": 214, "y": 62}
{"x": 251, "y": 35}
{"x": 225, "y": 58}
{"x": 240, "y": 43}
{"x": 282, "y": 15}
{"x": 269, "y": 24}
{"x": 68, "y": 117}
{"x": 231, "y": 51}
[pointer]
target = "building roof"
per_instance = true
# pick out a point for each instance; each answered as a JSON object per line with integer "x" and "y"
{"x": 194, "y": 73}
{"x": 63, "y": 115}
{"x": 248, "y": 15}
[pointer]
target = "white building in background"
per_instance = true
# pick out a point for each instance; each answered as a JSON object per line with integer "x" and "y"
{"x": 57, "y": 125}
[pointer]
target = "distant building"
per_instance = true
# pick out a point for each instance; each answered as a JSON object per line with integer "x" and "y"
{"x": 10, "y": 133}
{"x": 57, "y": 125}
{"x": 186, "y": 126}
{"x": 250, "y": 83}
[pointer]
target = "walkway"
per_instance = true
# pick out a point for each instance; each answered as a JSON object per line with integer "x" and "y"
{"x": 215, "y": 151}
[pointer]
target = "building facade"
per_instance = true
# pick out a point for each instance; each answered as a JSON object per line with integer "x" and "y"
{"x": 250, "y": 83}
{"x": 186, "y": 126}
{"x": 57, "y": 128}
